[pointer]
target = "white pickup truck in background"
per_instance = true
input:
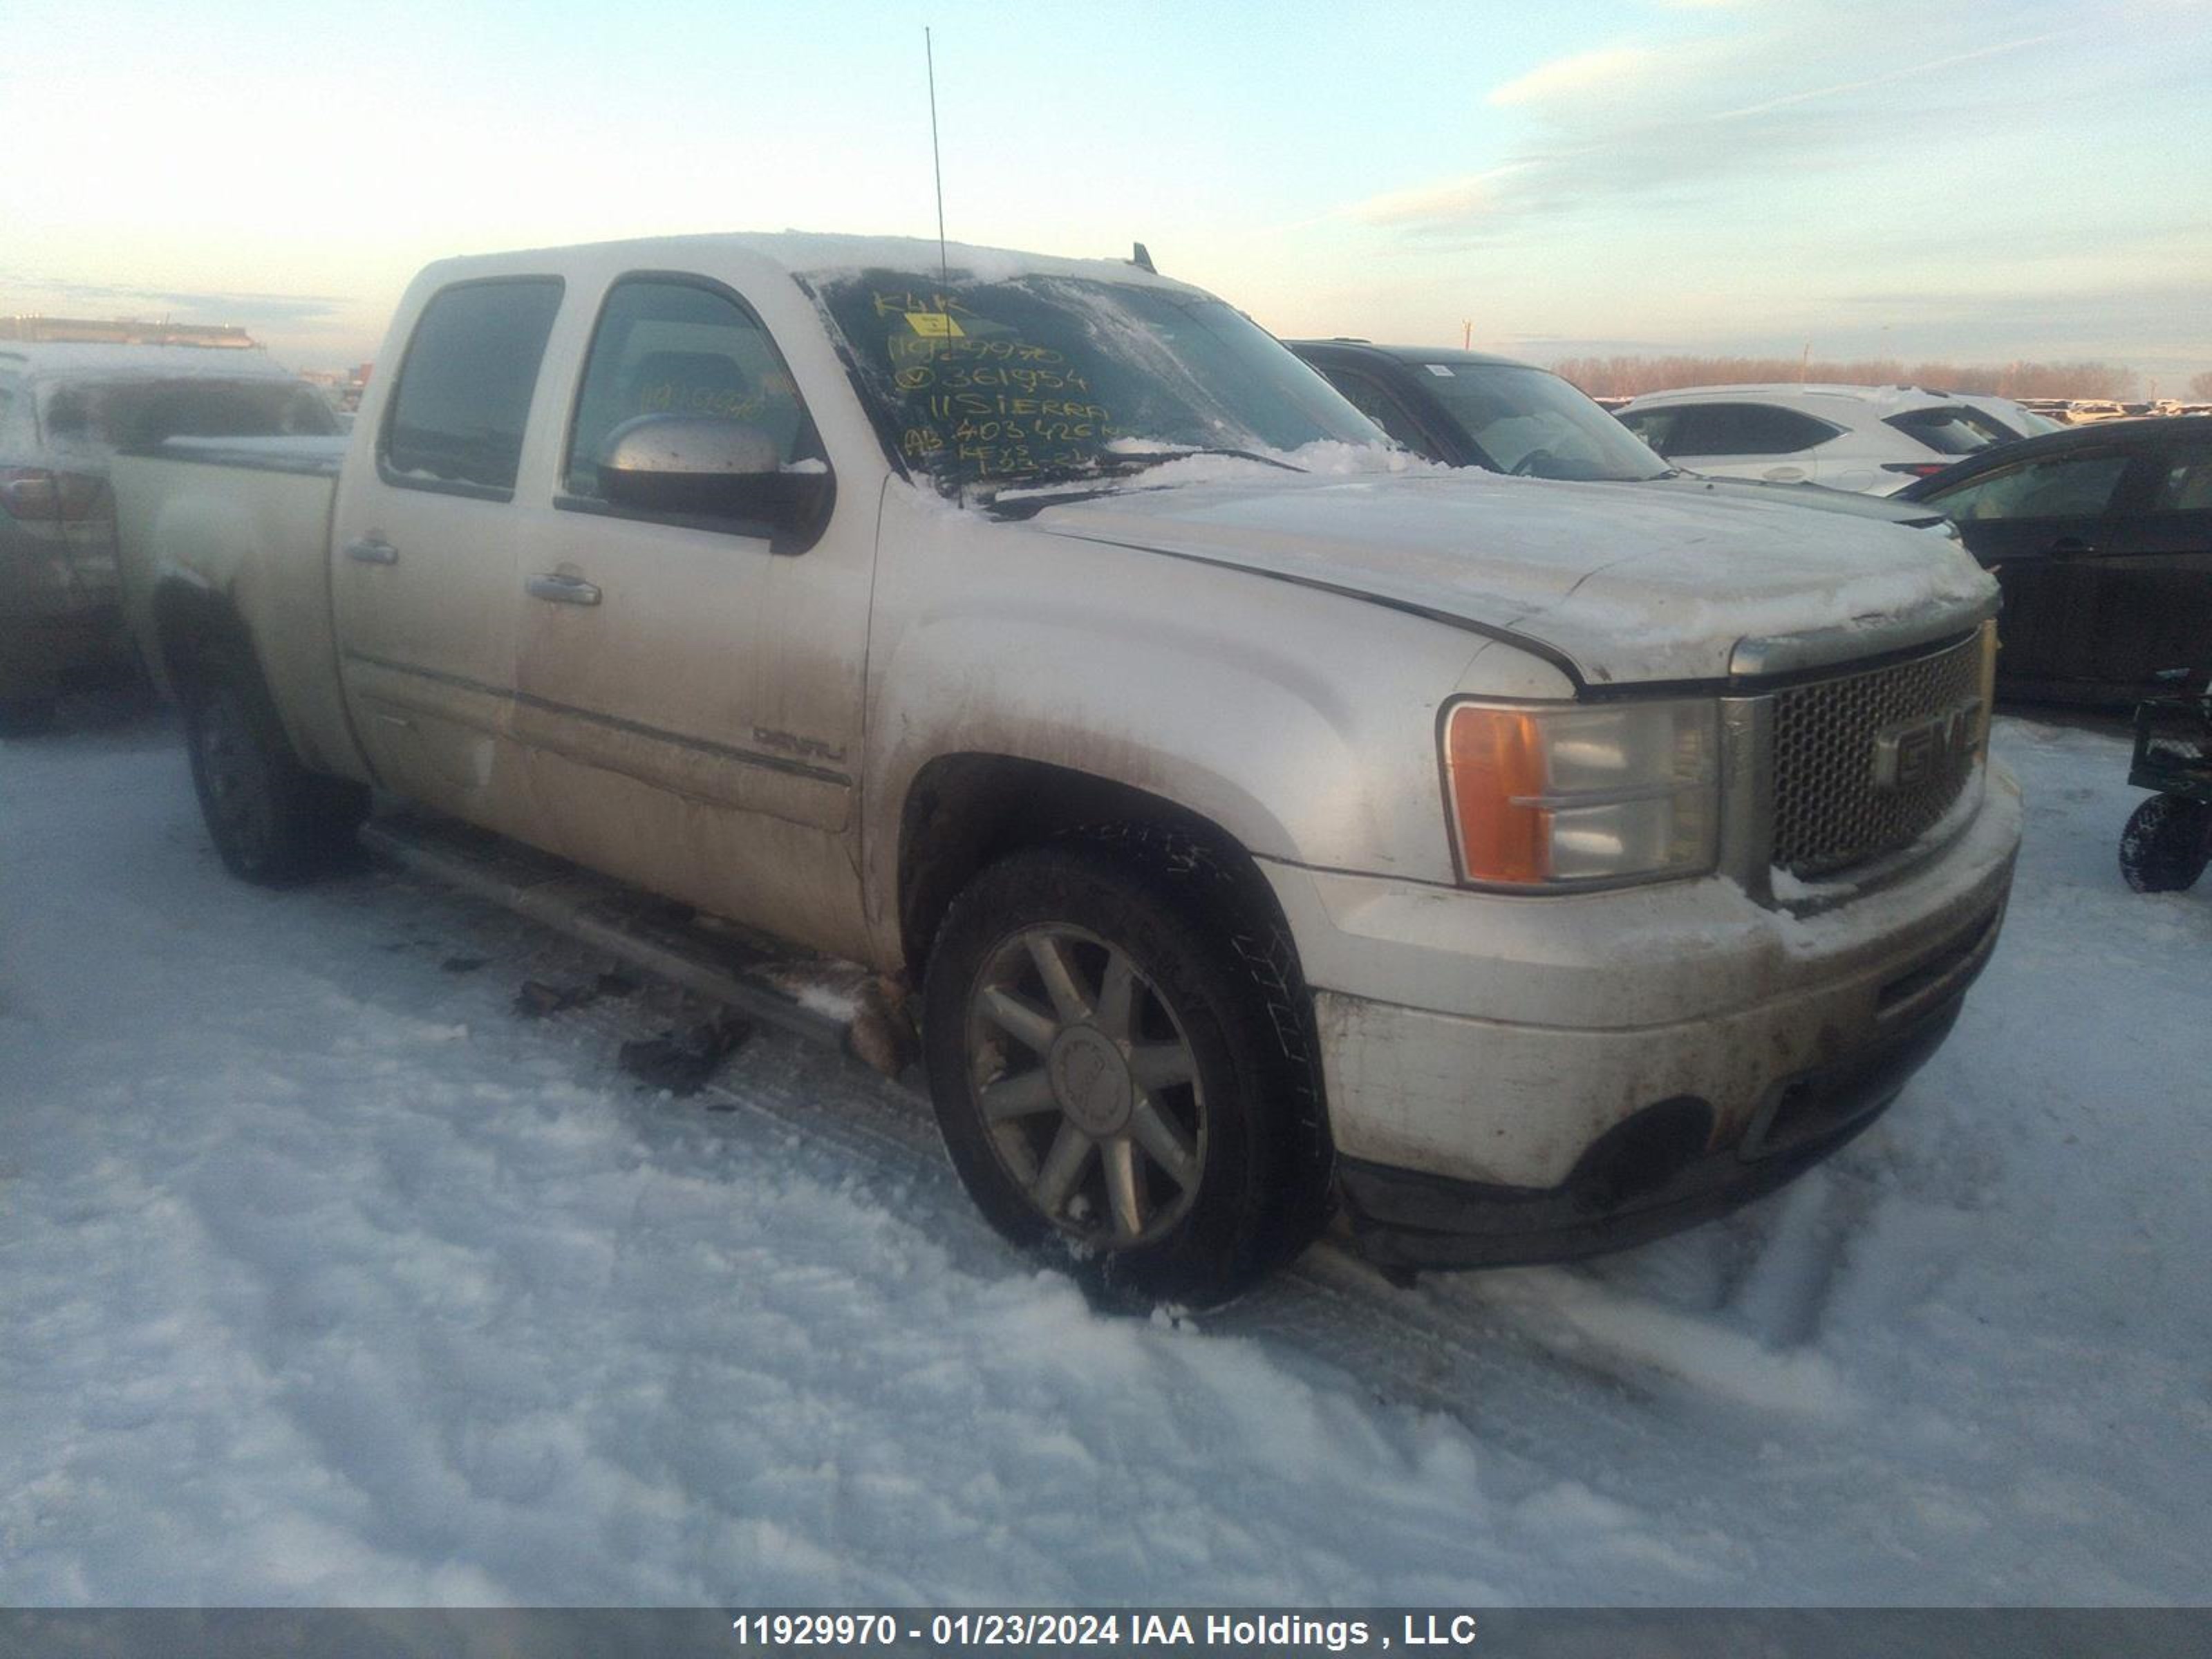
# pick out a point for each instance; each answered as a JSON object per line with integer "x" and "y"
{"x": 1266, "y": 823}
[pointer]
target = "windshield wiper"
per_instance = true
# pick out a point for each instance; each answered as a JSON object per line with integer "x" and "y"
{"x": 1142, "y": 457}
{"x": 1116, "y": 464}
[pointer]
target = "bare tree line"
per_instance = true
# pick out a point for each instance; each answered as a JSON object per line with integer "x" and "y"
{"x": 1628, "y": 377}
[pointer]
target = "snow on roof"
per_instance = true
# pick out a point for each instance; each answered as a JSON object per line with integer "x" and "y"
{"x": 1871, "y": 394}
{"x": 86, "y": 361}
{"x": 824, "y": 255}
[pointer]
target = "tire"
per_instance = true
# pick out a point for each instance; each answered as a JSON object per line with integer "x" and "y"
{"x": 1116, "y": 1051}
{"x": 2166, "y": 844}
{"x": 273, "y": 822}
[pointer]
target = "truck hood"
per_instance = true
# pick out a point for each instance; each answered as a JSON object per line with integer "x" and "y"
{"x": 1624, "y": 585}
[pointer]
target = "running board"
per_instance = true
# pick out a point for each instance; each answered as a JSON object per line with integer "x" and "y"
{"x": 821, "y": 999}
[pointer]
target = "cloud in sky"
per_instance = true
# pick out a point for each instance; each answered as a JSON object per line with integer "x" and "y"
{"x": 1633, "y": 118}
{"x": 22, "y": 291}
{"x": 2018, "y": 177}
{"x": 1585, "y": 73}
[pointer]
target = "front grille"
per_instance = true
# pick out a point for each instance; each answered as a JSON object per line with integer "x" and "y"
{"x": 1829, "y": 812}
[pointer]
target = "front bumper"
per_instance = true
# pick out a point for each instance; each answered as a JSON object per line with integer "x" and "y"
{"x": 1513, "y": 1080}
{"x": 1627, "y": 1191}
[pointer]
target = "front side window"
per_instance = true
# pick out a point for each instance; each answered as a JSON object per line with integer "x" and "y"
{"x": 1039, "y": 379}
{"x": 1529, "y": 420}
{"x": 462, "y": 398}
{"x": 2077, "y": 486}
{"x": 673, "y": 348}
{"x": 1370, "y": 398}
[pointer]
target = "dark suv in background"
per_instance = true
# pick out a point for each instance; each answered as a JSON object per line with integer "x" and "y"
{"x": 1471, "y": 409}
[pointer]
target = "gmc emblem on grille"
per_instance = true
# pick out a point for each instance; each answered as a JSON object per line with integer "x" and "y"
{"x": 1914, "y": 752}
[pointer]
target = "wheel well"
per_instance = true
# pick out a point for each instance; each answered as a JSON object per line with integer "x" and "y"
{"x": 965, "y": 811}
{"x": 192, "y": 624}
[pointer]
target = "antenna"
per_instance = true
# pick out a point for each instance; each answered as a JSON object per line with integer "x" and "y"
{"x": 936, "y": 161}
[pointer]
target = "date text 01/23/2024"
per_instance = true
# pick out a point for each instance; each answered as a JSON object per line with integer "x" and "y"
{"x": 1168, "y": 1630}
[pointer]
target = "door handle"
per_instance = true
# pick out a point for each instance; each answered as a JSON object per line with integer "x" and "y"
{"x": 1784, "y": 475}
{"x": 371, "y": 550}
{"x": 2069, "y": 547}
{"x": 562, "y": 590}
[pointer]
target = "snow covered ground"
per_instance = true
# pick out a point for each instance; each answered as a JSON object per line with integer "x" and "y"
{"x": 326, "y": 1278}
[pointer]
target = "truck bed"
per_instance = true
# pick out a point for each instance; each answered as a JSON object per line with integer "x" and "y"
{"x": 247, "y": 521}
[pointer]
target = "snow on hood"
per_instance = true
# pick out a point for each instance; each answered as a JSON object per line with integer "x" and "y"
{"x": 1629, "y": 585}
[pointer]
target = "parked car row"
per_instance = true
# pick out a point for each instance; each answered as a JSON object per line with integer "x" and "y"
{"x": 1871, "y": 439}
{"x": 1470, "y": 409}
{"x": 2099, "y": 536}
{"x": 66, "y": 407}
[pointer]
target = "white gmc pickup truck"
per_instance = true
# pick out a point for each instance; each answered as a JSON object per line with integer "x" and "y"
{"x": 1266, "y": 825}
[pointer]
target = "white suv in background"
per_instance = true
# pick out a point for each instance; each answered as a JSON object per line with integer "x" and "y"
{"x": 1873, "y": 439}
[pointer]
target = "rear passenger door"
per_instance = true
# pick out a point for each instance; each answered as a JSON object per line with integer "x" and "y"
{"x": 424, "y": 555}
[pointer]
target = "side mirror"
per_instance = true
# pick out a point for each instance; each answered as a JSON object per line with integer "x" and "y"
{"x": 701, "y": 466}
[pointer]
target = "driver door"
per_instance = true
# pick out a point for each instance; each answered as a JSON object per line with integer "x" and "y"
{"x": 690, "y": 686}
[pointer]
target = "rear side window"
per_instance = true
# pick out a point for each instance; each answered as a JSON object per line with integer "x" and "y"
{"x": 2186, "y": 484}
{"x": 1953, "y": 431}
{"x": 463, "y": 397}
{"x": 1744, "y": 430}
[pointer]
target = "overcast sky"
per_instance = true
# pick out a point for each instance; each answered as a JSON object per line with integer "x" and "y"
{"x": 2018, "y": 179}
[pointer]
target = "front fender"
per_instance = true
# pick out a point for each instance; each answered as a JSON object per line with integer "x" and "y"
{"x": 1301, "y": 722}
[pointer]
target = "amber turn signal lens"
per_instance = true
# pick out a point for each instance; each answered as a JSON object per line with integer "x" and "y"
{"x": 1494, "y": 761}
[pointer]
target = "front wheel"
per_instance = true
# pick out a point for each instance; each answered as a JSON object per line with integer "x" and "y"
{"x": 1109, "y": 1079}
{"x": 2166, "y": 844}
{"x": 272, "y": 821}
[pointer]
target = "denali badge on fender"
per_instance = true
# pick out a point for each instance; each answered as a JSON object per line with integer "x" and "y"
{"x": 1913, "y": 752}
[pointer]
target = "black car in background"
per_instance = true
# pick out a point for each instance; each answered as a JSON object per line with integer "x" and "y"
{"x": 2101, "y": 538}
{"x": 1471, "y": 409}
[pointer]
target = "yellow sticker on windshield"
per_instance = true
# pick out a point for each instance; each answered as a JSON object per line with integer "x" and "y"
{"x": 934, "y": 325}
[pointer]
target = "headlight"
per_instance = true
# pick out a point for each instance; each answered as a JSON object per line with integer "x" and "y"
{"x": 1559, "y": 795}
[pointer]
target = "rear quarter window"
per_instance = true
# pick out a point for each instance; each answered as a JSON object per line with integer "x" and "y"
{"x": 463, "y": 397}
{"x": 2184, "y": 483}
{"x": 1950, "y": 431}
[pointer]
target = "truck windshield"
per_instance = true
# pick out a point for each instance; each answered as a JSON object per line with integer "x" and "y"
{"x": 1531, "y": 422}
{"x": 1036, "y": 378}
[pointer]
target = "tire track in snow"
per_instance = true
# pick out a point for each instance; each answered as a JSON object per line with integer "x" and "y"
{"x": 1547, "y": 1366}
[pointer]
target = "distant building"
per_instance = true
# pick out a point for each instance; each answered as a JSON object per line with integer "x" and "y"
{"x": 127, "y": 331}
